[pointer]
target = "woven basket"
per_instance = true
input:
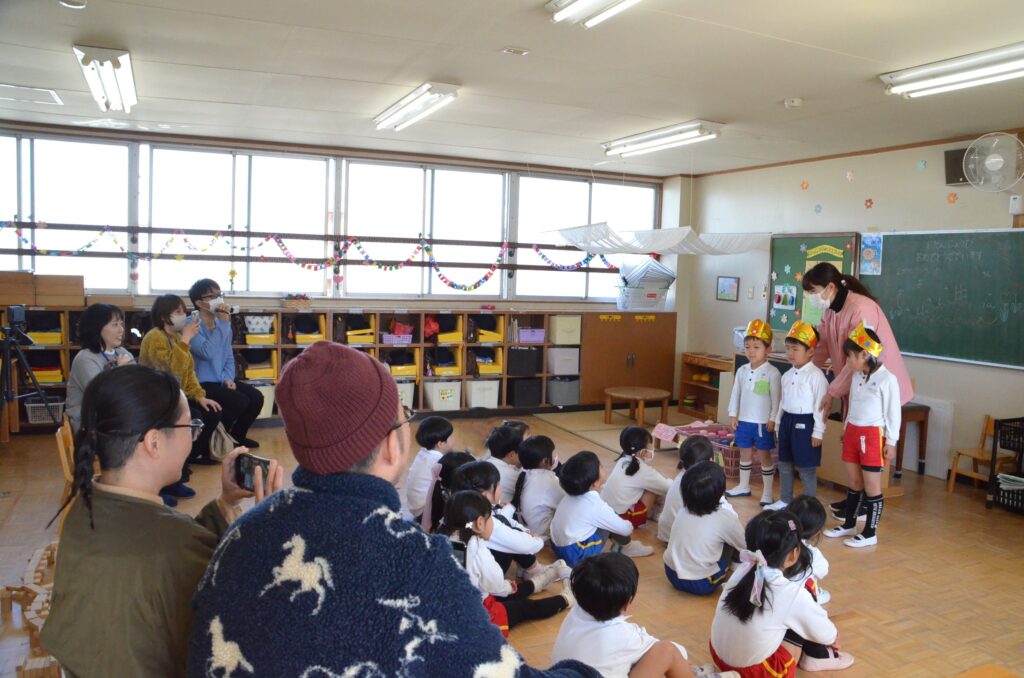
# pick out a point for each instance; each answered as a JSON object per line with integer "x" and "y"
{"x": 298, "y": 304}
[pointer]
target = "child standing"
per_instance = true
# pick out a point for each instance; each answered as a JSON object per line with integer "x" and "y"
{"x": 756, "y": 394}
{"x": 870, "y": 436}
{"x": 703, "y": 536}
{"x": 765, "y": 623}
{"x": 537, "y": 492}
{"x": 503, "y": 448}
{"x": 810, "y": 519}
{"x": 633, "y": 486}
{"x": 583, "y": 520}
{"x": 694, "y": 450}
{"x": 468, "y": 524}
{"x": 800, "y": 421}
{"x": 434, "y": 438}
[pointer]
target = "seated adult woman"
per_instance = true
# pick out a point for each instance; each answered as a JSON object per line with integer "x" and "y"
{"x": 127, "y": 566}
{"x": 100, "y": 333}
{"x": 215, "y": 363}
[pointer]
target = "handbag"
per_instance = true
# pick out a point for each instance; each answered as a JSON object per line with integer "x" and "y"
{"x": 221, "y": 443}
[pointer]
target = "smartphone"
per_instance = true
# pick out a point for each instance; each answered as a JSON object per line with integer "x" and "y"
{"x": 245, "y": 470}
{"x": 235, "y": 309}
{"x": 195, "y": 316}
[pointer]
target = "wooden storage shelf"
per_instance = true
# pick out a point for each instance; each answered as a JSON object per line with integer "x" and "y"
{"x": 699, "y": 399}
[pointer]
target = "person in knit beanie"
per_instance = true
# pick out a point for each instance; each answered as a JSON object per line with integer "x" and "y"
{"x": 326, "y": 578}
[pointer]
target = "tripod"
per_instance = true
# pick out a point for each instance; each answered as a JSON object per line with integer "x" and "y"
{"x": 10, "y": 350}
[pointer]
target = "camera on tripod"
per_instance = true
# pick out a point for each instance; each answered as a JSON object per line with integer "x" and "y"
{"x": 16, "y": 316}
{"x": 12, "y": 337}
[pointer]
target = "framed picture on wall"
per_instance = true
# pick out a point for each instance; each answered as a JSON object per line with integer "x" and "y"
{"x": 728, "y": 288}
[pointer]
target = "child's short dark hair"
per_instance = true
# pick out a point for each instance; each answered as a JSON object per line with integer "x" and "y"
{"x": 604, "y": 584}
{"x": 163, "y": 307}
{"x": 517, "y": 424}
{"x": 503, "y": 440}
{"x": 850, "y": 347}
{"x": 92, "y": 322}
{"x": 702, "y": 488}
{"x": 535, "y": 450}
{"x": 579, "y": 473}
{"x": 764, "y": 343}
{"x": 463, "y": 508}
{"x": 810, "y": 515}
{"x": 793, "y": 340}
{"x": 481, "y": 476}
{"x": 694, "y": 450}
{"x": 433, "y": 430}
{"x": 201, "y": 288}
{"x": 449, "y": 463}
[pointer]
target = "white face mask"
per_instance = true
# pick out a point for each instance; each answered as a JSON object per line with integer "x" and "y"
{"x": 178, "y": 322}
{"x": 219, "y": 301}
{"x": 818, "y": 300}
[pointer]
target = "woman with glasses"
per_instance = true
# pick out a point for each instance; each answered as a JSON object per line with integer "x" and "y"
{"x": 128, "y": 566}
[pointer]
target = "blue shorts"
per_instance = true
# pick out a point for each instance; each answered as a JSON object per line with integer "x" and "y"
{"x": 574, "y": 553}
{"x": 749, "y": 434}
{"x": 795, "y": 433}
{"x": 700, "y": 587}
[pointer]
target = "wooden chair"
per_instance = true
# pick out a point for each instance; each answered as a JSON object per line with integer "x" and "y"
{"x": 979, "y": 455}
{"x": 66, "y": 452}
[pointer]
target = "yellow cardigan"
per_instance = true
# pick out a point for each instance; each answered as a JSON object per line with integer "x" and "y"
{"x": 160, "y": 352}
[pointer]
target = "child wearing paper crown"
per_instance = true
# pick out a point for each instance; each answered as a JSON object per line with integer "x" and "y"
{"x": 870, "y": 436}
{"x": 799, "y": 421}
{"x": 756, "y": 394}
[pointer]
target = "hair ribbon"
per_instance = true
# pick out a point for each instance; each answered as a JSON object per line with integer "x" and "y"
{"x": 754, "y": 560}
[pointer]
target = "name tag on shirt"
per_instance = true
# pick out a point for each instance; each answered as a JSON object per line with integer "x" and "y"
{"x": 762, "y": 387}
{"x": 800, "y": 427}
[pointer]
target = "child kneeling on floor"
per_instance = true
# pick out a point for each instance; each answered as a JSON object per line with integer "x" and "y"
{"x": 705, "y": 536}
{"x": 694, "y": 450}
{"x": 597, "y": 632}
{"x": 634, "y": 486}
{"x": 583, "y": 520}
{"x": 468, "y": 523}
{"x": 766, "y": 624}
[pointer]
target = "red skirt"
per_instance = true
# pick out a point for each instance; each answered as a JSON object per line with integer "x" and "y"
{"x": 636, "y": 514}
{"x": 779, "y": 665}
{"x": 496, "y": 611}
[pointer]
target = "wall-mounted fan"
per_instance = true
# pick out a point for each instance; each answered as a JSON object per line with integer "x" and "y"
{"x": 994, "y": 162}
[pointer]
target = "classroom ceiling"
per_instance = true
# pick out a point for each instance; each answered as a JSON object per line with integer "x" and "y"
{"x": 318, "y": 71}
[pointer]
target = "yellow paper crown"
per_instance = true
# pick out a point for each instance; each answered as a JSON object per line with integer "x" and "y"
{"x": 804, "y": 333}
{"x": 860, "y": 337}
{"x": 759, "y": 329}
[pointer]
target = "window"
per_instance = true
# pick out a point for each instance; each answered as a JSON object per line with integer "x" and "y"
{"x": 384, "y": 200}
{"x": 81, "y": 183}
{"x": 289, "y": 195}
{"x": 8, "y": 200}
{"x": 546, "y": 205}
{"x": 624, "y": 208}
{"x": 467, "y": 206}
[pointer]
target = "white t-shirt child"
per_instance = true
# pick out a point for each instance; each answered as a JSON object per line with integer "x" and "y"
{"x": 623, "y": 491}
{"x": 541, "y": 496}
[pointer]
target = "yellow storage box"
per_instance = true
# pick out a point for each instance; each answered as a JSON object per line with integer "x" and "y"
{"x": 260, "y": 339}
{"x": 360, "y": 336}
{"x": 412, "y": 370}
{"x": 263, "y": 372}
{"x": 46, "y": 338}
{"x": 450, "y": 370}
{"x": 497, "y": 367}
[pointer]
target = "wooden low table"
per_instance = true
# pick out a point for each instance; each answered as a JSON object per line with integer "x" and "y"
{"x": 912, "y": 412}
{"x": 635, "y": 396}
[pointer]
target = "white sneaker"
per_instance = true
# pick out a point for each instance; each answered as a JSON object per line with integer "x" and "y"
{"x": 567, "y": 593}
{"x": 860, "y": 541}
{"x": 836, "y": 662}
{"x": 840, "y": 531}
{"x": 544, "y": 579}
{"x": 531, "y": 571}
{"x": 738, "y": 491}
{"x": 777, "y": 506}
{"x": 637, "y": 549}
{"x": 711, "y": 671}
{"x": 765, "y": 501}
{"x": 823, "y": 596}
{"x": 564, "y": 571}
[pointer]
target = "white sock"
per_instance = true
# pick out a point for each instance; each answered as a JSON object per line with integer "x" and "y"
{"x": 767, "y": 478}
{"x": 745, "y": 467}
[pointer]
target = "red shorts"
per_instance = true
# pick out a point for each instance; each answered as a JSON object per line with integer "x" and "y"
{"x": 779, "y": 665}
{"x": 499, "y": 616}
{"x": 863, "y": 445}
{"x": 636, "y": 514}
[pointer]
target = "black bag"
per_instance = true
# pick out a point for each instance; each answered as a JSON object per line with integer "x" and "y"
{"x": 447, "y": 323}
{"x": 43, "y": 321}
{"x": 443, "y": 356}
{"x": 306, "y": 323}
{"x": 357, "y": 322}
{"x": 400, "y": 357}
{"x": 255, "y": 356}
{"x": 485, "y": 322}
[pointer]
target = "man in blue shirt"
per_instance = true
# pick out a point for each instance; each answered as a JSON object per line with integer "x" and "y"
{"x": 215, "y": 363}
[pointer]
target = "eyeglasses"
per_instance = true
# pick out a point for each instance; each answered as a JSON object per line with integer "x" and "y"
{"x": 196, "y": 425}
{"x": 409, "y": 414}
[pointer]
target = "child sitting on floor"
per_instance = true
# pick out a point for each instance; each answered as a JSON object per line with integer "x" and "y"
{"x": 634, "y": 486}
{"x": 694, "y": 450}
{"x": 537, "y": 492}
{"x": 766, "y": 623}
{"x": 583, "y": 520}
{"x": 704, "y": 535}
{"x": 597, "y": 632}
{"x": 810, "y": 519}
{"x": 434, "y": 437}
{"x": 440, "y": 488}
{"x": 503, "y": 452}
{"x": 468, "y": 524}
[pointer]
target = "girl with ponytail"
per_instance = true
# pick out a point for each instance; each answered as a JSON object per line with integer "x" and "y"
{"x": 633, "y": 486}
{"x": 765, "y": 623}
{"x": 537, "y": 492}
{"x": 126, "y": 561}
{"x": 440, "y": 488}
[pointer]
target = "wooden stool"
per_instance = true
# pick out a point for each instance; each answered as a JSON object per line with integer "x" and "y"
{"x": 635, "y": 396}
{"x": 913, "y": 412}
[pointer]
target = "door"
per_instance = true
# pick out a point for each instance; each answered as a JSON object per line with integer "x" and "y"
{"x": 625, "y": 348}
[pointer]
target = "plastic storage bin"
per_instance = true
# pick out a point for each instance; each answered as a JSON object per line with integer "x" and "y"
{"x": 406, "y": 392}
{"x": 35, "y": 410}
{"x": 563, "y": 361}
{"x": 443, "y": 395}
{"x": 524, "y": 392}
{"x": 529, "y": 335}
{"x": 523, "y": 361}
{"x": 483, "y": 393}
{"x": 641, "y": 299}
{"x": 564, "y": 391}
{"x": 565, "y": 329}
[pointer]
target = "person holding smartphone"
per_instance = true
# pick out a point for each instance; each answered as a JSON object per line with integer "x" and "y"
{"x": 215, "y": 363}
{"x": 101, "y": 335}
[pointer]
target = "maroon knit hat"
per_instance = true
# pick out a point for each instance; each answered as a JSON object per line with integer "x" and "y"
{"x": 337, "y": 404}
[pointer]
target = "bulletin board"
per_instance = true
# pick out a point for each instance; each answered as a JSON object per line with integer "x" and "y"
{"x": 791, "y": 256}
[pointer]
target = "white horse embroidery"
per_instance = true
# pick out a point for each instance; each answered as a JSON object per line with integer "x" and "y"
{"x": 396, "y": 526}
{"x": 210, "y": 577}
{"x": 310, "y": 576}
{"x": 225, "y": 655}
{"x": 360, "y": 670}
{"x": 506, "y": 667}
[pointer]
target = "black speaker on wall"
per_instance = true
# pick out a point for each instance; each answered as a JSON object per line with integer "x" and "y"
{"x": 955, "y": 167}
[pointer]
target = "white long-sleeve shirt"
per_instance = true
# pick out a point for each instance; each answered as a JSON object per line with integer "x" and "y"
{"x": 673, "y": 504}
{"x": 696, "y": 543}
{"x": 612, "y": 647}
{"x": 756, "y": 394}
{"x": 541, "y": 496}
{"x": 509, "y": 475}
{"x": 417, "y": 482}
{"x": 622, "y": 491}
{"x": 579, "y": 517}
{"x": 803, "y": 389}
{"x": 514, "y": 539}
{"x": 875, "y": 401}
{"x": 484, "y": 571}
{"x": 749, "y": 643}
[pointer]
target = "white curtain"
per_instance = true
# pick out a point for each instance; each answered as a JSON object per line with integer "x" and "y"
{"x": 601, "y": 239}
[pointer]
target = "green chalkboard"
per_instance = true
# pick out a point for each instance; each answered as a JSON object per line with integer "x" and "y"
{"x": 955, "y": 295}
{"x": 791, "y": 255}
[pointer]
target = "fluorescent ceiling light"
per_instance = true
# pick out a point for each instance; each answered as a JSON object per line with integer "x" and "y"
{"x": 672, "y": 136}
{"x": 416, "y": 105}
{"x": 971, "y": 70}
{"x": 588, "y": 12}
{"x": 32, "y": 95}
{"x": 108, "y": 72}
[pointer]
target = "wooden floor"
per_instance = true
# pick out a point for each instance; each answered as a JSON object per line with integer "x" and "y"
{"x": 942, "y": 593}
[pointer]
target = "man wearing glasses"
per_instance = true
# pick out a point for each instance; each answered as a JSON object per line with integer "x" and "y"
{"x": 326, "y": 578}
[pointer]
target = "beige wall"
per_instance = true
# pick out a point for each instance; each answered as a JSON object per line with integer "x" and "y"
{"x": 905, "y": 198}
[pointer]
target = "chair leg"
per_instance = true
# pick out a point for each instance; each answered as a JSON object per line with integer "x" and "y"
{"x": 952, "y": 472}
{"x": 974, "y": 466}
